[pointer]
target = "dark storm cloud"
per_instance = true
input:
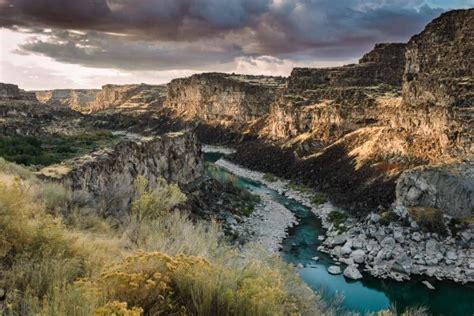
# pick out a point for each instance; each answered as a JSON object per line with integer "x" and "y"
{"x": 179, "y": 34}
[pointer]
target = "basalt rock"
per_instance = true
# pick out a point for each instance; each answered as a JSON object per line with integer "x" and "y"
{"x": 449, "y": 188}
{"x": 223, "y": 96}
{"x": 110, "y": 96}
{"x": 107, "y": 176}
{"x": 438, "y": 97}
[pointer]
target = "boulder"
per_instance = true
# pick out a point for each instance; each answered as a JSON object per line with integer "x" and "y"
{"x": 352, "y": 272}
{"x": 449, "y": 188}
{"x": 334, "y": 270}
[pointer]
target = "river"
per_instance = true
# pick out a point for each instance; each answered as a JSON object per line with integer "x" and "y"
{"x": 367, "y": 295}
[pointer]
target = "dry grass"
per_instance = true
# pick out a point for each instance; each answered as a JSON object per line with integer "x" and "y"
{"x": 82, "y": 265}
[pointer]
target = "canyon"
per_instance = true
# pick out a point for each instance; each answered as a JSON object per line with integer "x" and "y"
{"x": 387, "y": 142}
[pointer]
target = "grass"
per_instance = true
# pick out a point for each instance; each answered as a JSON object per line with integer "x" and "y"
{"x": 33, "y": 151}
{"x": 429, "y": 219}
{"x": 154, "y": 261}
{"x": 299, "y": 188}
{"x": 319, "y": 198}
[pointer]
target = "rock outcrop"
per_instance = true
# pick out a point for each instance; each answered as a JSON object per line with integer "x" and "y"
{"x": 21, "y": 114}
{"x": 78, "y": 100}
{"x": 12, "y": 92}
{"x": 110, "y": 96}
{"x": 438, "y": 97}
{"x": 107, "y": 176}
{"x": 449, "y": 188}
{"x": 223, "y": 96}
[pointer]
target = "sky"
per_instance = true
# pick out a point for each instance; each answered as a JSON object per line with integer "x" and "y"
{"x": 46, "y": 44}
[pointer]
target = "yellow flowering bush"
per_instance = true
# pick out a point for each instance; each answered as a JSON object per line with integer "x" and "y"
{"x": 116, "y": 308}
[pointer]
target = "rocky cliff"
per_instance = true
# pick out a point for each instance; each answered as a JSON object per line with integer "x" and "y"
{"x": 21, "y": 114}
{"x": 12, "y": 92}
{"x": 110, "y": 96}
{"x": 445, "y": 187}
{"x": 218, "y": 96}
{"x": 438, "y": 97}
{"x": 108, "y": 175}
{"x": 78, "y": 100}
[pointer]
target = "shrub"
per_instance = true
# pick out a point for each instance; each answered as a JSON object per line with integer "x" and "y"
{"x": 151, "y": 203}
{"x": 430, "y": 219}
{"x": 319, "y": 198}
{"x": 117, "y": 309}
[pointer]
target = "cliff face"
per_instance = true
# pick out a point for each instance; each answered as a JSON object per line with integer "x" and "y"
{"x": 110, "y": 96}
{"x": 108, "y": 175}
{"x": 322, "y": 105}
{"x": 438, "y": 97}
{"x": 12, "y": 92}
{"x": 383, "y": 65}
{"x": 78, "y": 100}
{"x": 223, "y": 96}
{"x": 21, "y": 114}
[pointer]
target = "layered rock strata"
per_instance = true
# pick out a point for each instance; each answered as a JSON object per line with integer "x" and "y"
{"x": 223, "y": 96}
{"x": 110, "y": 96}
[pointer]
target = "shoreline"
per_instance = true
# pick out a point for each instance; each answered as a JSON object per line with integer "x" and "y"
{"x": 384, "y": 251}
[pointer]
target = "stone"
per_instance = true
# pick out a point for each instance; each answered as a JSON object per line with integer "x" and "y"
{"x": 352, "y": 272}
{"x": 374, "y": 218}
{"x": 402, "y": 264}
{"x": 339, "y": 240}
{"x": 451, "y": 255}
{"x": 445, "y": 187}
{"x": 416, "y": 236}
{"x": 334, "y": 270}
{"x": 388, "y": 243}
{"x": 428, "y": 285}
{"x": 315, "y": 258}
{"x": 358, "y": 256}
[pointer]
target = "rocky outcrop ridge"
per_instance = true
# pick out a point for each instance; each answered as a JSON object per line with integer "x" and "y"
{"x": 110, "y": 96}
{"x": 21, "y": 114}
{"x": 383, "y": 65}
{"x": 438, "y": 99}
{"x": 107, "y": 176}
{"x": 446, "y": 187}
{"x": 78, "y": 100}
{"x": 223, "y": 96}
{"x": 12, "y": 92}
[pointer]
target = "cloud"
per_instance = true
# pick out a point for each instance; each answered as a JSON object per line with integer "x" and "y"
{"x": 209, "y": 34}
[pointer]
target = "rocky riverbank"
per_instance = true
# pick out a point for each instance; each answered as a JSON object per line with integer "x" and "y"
{"x": 396, "y": 250}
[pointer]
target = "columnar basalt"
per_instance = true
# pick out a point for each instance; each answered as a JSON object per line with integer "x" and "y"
{"x": 108, "y": 175}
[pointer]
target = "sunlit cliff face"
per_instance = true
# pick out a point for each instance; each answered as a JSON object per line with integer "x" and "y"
{"x": 84, "y": 44}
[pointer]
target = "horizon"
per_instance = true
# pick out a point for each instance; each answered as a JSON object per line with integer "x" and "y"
{"x": 70, "y": 45}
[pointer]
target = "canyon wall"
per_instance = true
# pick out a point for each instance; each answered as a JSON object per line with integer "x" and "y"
{"x": 21, "y": 114}
{"x": 110, "y": 96}
{"x": 108, "y": 175}
{"x": 438, "y": 86}
{"x": 223, "y": 96}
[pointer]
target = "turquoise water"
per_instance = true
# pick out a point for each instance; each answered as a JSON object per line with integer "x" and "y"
{"x": 366, "y": 295}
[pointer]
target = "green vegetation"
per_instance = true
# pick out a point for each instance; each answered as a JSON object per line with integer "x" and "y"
{"x": 319, "y": 198}
{"x": 300, "y": 188}
{"x": 157, "y": 261}
{"x": 28, "y": 150}
{"x": 338, "y": 218}
{"x": 430, "y": 219}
